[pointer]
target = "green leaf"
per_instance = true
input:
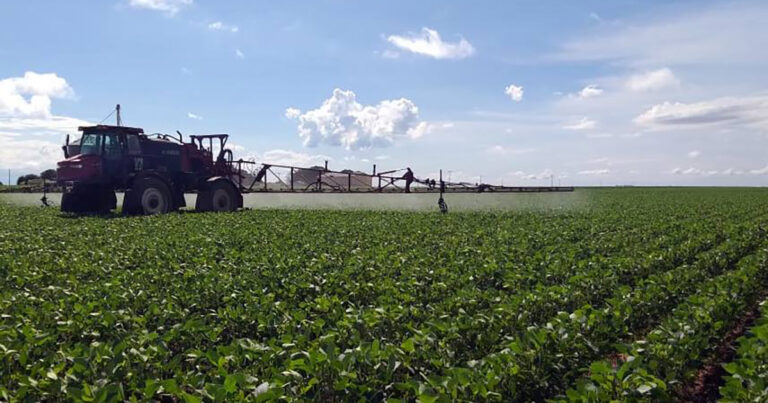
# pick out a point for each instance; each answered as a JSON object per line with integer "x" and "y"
{"x": 230, "y": 384}
{"x": 600, "y": 368}
{"x": 408, "y": 345}
{"x": 190, "y": 398}
{"x": 731, "y": 367}
{"x": 375, "y": 348}
{"x": 427, "y": 398}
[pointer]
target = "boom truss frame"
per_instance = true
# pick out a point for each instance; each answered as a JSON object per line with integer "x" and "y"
{"x": 327, "y": 181}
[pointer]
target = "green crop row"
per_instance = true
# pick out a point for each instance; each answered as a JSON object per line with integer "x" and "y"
{"x": 432, "y": 351}
{"x": 540, "y": 361}
{"x": 747, "y": 379}
{"x": 470, "y": 325}
{"x": 653, "y": 367}
{"x": 352, "y": 305}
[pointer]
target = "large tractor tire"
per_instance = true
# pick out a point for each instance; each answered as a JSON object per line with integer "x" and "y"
{"x": 219, "y": 195}
{"x": 148, "y": 196}
{"x": 107, "y": 200}
{"x": 131, "y": 203}
{"x": 89, "y": 199}
{"x": 70, "y": 203}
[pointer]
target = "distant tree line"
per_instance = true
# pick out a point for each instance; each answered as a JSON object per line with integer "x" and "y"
{"x": 24, "y": 179}
{"x": 48, "y": 174}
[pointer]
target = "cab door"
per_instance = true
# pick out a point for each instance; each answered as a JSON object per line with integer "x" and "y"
{"x": 134, "y": 161}
{"x": 112, "y": 157}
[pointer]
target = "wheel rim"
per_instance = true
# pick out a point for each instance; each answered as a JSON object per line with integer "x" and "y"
{"x": 221, "y": 200}
{"x": 152, "y": 201}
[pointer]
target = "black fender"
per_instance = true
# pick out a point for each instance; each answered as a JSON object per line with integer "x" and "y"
{"x": 176, "y": 192}
{"x": 210, "y": 181}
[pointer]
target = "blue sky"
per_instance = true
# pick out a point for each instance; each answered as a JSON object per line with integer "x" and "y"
{"x": 587, "y": 92}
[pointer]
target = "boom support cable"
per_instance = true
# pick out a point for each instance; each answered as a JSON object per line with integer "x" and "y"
{"x": 107, "y": 117}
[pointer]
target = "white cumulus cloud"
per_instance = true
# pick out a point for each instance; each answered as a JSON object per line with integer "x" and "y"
{"x": 342, "y": 121}
{"x": 429, "y": 43}
{"x": 288, "y": 157}
{"x": 594, "y": 172}
{"x": 584, "y": 123}
{"x": 31, "y": 94}
{"x": 28, "y": 154}
{"x": 193, "y": 116}
{"x": 545, "y": 174}
{"x": 732, "y": 171}
{"x": 694, "y": 154}
{"x": 30, "y": 134}
{"x": 292, "y": 113}
{"x": 701, "y": 172}
{"x": 502, "y": 150}
{"x": 751, "y": 111}
{"x": 220, "y": 26}
{"x": 652, "y": 80}
{"x": 48, "y": 125}
{"x": 170, "y": 7}
{"x": 590, "y": 91}
{"x": 692, "y": 171}
{"x": 514, "y": 92}
{"x": 239, "y": 54}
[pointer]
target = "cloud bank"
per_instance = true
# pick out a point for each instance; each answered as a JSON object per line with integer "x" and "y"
{"x": 170, "y": 7}
{"x": 429, "y": 43}
{"x": 342, "y": 121}
{"x": 27, "y": 123}
{"x": 750, "y": 111}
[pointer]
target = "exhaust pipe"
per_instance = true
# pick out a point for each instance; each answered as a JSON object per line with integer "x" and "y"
{"x": 66, "y": 147}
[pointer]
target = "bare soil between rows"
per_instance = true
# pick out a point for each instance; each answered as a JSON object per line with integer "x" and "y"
{"x": 705, "y": 386}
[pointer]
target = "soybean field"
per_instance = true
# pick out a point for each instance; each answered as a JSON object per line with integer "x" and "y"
{"x": 631, "y": 295}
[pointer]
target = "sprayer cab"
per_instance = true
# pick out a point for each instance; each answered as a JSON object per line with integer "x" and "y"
{"x": 97, "y": 157}
{"x": 154, "y": 172}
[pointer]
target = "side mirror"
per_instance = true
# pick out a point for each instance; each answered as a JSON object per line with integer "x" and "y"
{"x": 66, "y": 147}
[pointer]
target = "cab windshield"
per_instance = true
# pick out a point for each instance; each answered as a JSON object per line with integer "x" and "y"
{"x": 90, "y": 144}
